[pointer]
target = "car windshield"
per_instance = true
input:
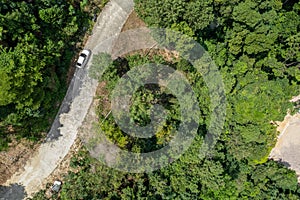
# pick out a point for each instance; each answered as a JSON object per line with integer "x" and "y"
{"x": 79, "y": 64}
{"x": 83, "y": 55}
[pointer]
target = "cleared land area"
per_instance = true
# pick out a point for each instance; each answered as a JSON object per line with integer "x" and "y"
{"x": 287, "y": 149}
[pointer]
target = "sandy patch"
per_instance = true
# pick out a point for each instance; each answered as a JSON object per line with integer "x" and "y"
{"x": 287, "y": 148}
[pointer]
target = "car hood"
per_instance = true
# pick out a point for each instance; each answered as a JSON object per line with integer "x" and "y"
{"x": 86, "y": 52}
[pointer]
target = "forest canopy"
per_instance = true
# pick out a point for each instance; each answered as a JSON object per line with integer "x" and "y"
{"x": 236, "y": 168}
{"x": 38, "y": 40}
{"x": 255, "y": 45}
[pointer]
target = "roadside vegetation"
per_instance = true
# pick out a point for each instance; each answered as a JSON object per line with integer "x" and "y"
{"x": 237, "y": 168}
{"x": 255, "y": 45}
{"x": 38, "y": 40}
{"x": 224, "y": 174}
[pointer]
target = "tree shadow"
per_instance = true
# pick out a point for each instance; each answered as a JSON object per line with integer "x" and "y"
{"x": 285, "y": 163}
{"x": 12, "y": 192}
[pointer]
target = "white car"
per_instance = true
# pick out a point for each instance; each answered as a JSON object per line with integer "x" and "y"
{"x": 83, "y": 58}
{"x": 56, "y": 186}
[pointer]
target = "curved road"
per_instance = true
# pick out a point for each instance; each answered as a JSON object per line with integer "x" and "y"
{"x": 73, "y": 109}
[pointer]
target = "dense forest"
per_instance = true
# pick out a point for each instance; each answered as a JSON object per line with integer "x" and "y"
{"x": 256, "y": 47}
{"x": 38, "y": 40}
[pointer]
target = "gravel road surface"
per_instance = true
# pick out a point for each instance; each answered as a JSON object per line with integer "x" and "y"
{"x": 73, "y": 109}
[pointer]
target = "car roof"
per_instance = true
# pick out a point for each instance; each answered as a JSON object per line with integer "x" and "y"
{"x": 80, "y": 59}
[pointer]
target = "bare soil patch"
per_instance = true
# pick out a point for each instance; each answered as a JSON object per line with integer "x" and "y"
{"x": 62, "y": 168}
{"x": 89, "y": 131}
{"x": 287, "y": 148}
{"x": 15, "y": 157}
{"x": 102, "y": 99}
{"x": 133, "y": 22}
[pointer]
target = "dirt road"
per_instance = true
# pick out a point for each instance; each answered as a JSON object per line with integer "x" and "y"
{"x": 73, "y": 109}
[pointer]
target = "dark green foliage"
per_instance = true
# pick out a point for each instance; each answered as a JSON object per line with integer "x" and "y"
{"x": 236, "y": 168}
{"x": 197, "y": 14}
{"x": 37, "y": 44}
{"x": 255, "y": 45}
{"x": 186, "y": 178}
{"x": 142, "y": 100}
{"x": 99, "y": 64}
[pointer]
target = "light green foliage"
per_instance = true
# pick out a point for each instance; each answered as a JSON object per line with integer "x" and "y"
{"x": 183, "y": 27}
{"x": 255, "y": 45}
{"x": 52, "y": 15}
{"x": 36, "y": 49}
{"x": 140, "y": 109}
{"x": 236, "y": 168}
{"x": 196, "y": 14}
{"x": 24, "y": 75}
{"x": 140, "y": 104}
{"x": 100, "y": 63}
{"x": 245, "y": 13}
{"x": 253, "y": 107}
{"x": 5, "y": 94}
